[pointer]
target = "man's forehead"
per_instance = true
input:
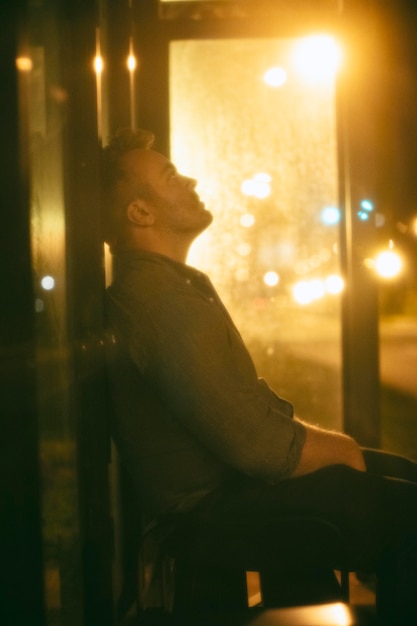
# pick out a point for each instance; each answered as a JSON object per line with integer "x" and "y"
{"x": 145, "y": 162}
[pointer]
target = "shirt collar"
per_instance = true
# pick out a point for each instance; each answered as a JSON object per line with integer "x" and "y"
{"x": 189, "y": 272}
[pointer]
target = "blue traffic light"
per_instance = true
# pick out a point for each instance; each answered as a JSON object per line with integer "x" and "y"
{"x": 367, "y": 205}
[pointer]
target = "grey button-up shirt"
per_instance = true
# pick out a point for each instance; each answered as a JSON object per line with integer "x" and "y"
{"x": 189, "y": 409}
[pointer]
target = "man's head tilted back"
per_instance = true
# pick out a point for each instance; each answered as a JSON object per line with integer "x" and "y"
{"x": 118, "y": 184}
{"x": 146, "y": 203}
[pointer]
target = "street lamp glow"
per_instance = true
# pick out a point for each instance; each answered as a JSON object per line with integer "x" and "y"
{"x": 306, "y": 291}
{"x": 318, "y": 58}
{"x": 98, "y": 64}
{"x": 334, "y": 284}
{"x": 48, "y": 283}
{"x": 388, "y": 264}
{"x": 330, "y": 215}
{"x": 317, "y": 288}
{"x": 275, "y": 77}
{"x": 131, "y": 62}
{"x": 24, "y": 64}
{"x": 271, "y": 279}
{"x": 302, "y": 292}
{"x": 259, "y": 186}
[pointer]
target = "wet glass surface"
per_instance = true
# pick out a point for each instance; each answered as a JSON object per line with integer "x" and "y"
{"x": 263, "y": 148}
{"x": 58, "y": 457}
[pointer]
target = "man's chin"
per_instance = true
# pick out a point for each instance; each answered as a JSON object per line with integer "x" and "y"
{"x": 204, "y": 222}
{"x": 204, "y": 208}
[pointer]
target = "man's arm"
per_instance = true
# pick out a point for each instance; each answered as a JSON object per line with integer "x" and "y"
{"x": 323, "y": 447}
{"x": 195, "y": 362}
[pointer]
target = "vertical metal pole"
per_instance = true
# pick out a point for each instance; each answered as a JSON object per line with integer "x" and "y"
{"x": 85, "y": 315}
{"x": 360, "y": 338}
{"x": 153, "y": 76}
{"x": 21, "y": 579}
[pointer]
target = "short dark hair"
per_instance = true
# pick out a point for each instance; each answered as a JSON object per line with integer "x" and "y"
{"x": 113, "y": 201}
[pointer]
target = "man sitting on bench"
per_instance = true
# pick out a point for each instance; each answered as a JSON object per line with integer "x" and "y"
{"x": 199, "y": 432}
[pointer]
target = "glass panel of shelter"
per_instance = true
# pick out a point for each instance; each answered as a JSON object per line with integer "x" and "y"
{"x": 67, "y": 274}
{"x": 253, "y": 120}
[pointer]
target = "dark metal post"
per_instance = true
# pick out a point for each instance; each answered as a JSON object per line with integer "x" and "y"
{"x": 21, "y": 582}
{"x": 85, "y": 314}
{"x": 356, "y": 138}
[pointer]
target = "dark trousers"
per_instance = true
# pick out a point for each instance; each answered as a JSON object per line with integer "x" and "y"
{"x": 375, "y": 510}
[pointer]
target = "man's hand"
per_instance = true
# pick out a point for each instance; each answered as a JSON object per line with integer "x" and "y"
{"x": 324, "y": 447}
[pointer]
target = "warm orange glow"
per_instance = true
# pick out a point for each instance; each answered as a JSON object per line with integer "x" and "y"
{"x": 48, "y": 283}
{"x": 317, "y": 58}
{"x": 388, "y": 264}
{"x": 131, "y": 63}
{"x": 24, "y": 64}
{"x": 265, "y": 162}
{"x": 334, "y": 284}
{"x": 307, "y": 291}
{"x": 259, "y": 186}
{"x": 275, "y": 77}
{"x": 271, "y": 279}
{"x": 98, "y": 64}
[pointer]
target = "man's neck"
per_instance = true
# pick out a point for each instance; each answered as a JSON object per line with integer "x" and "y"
{"x": 175, "y": 248}
{"x": 175, "y": 252}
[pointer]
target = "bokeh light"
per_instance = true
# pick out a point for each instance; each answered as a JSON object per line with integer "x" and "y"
{"x": 334, "y": 284}
{"x": 271, "y": 279}
{"x": 317, "y": 58}
{"x": 307, "y": 291}
{"x": 24, "y": 64}
{"x": 388, "y": 264}
{"x": 247, "y": 220}
{"x": 330, "y": 215}
{"x": 131, "y": 63}
{"x": 98, "y": 64}
{"x": 275, "y": 77}
{"x": 48, "y": 283}
{"x": 259, "y": 186}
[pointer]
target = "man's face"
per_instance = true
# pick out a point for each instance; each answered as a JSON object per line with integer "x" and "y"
{"x": 175, "y": 203}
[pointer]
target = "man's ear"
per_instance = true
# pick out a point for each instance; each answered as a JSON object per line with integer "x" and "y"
{"x": 139, "y": 213}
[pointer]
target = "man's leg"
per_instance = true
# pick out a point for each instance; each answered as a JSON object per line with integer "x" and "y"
{"x": 396, "y": 569}
{"x": 397, "y": 584}
{"x": 375, "y": 514}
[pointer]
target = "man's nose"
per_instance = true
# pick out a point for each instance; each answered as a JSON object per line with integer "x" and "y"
{"x": 190, "y": 182}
